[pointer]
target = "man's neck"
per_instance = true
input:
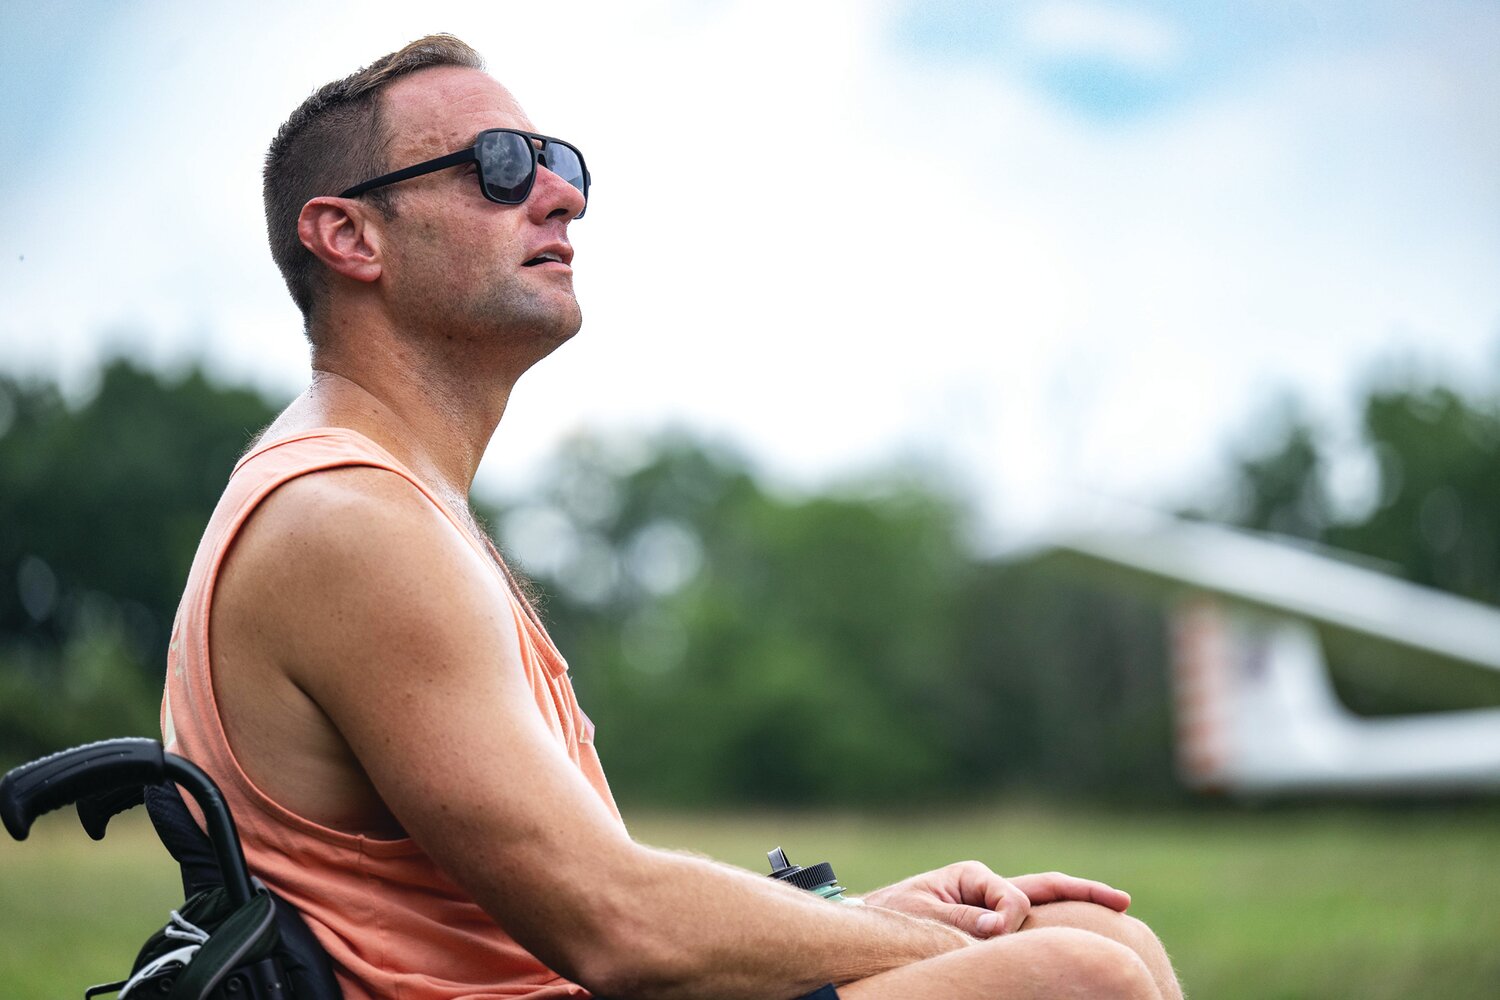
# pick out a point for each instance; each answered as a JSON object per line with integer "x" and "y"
{"x": 431, "y": 395}
{"x": 437, "y": 428}
{"x": 436, "y": 416}
{"x": 438, "y": 433}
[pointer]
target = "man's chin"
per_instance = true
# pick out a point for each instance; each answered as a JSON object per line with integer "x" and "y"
{"x": 543, "y": 319}
{"x": 551, "y": 331}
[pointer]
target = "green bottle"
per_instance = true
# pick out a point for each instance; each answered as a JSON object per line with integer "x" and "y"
{"x": 818, "y": 878}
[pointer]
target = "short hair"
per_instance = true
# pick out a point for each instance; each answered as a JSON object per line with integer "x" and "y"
{"x": 333, "y": 141}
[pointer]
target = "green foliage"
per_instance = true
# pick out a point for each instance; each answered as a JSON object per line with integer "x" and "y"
{"x": 91, "y": 688}
{"x": 749, "y": 647}
{"x": 102, "y": 506}
{"x": 1439, "y": 465}
{"x": 1430, "y": 515}
{"x": 734, "y": 644}
{"x": 1281, "y": 489}
{"x": 1061, "y": 688}
{"x": 843, "y": 647}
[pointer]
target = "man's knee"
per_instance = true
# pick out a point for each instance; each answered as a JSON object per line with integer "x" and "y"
{"x": 1077, "y": 963}
{"x": 1109, "y": 969}
{"x": 1126, "y": 930}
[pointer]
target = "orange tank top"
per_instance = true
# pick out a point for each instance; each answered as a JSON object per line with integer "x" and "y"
{"x": 393, "y": 923}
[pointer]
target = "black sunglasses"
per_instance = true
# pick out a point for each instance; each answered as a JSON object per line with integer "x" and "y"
{"x": 507, "y": 161}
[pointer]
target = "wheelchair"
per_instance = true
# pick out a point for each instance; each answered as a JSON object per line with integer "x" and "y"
{"x": 232, "y": 939}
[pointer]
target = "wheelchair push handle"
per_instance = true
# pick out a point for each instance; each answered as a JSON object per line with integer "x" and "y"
{"x": 106, "y": 776}
{"x": 94, "y": 769}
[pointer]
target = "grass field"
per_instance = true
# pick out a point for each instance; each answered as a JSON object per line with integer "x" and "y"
{"x": 1283, "y": 903}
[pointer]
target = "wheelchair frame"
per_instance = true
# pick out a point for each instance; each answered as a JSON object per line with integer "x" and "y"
{"x": 103, "y": 779}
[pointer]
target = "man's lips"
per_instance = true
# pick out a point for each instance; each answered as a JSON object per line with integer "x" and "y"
{"x": 552, "y": 253}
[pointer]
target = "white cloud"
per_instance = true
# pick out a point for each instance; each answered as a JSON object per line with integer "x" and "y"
{"x": 1131, "y": 37}
{"x": 804, "y": 240}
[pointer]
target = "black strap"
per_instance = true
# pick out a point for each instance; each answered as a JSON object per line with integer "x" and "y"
{"x": 181, "y": 836}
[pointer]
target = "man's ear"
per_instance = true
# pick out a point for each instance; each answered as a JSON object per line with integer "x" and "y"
{"x": 338, "y": 232}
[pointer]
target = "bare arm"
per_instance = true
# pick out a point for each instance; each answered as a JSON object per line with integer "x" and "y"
{"x": 403, "y": 635}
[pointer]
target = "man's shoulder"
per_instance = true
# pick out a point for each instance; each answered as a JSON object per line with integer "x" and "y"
{"x": 337, "y": 566}
{"x": 347, "y": 505}
{"x": 337, "y": 532}
{"x": 347, "y": 489}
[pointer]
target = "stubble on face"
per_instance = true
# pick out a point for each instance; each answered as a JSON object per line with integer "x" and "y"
{"x": 532, "y": 314}
{"x": 456, "y": 279}
{"x": 510, "y": 305}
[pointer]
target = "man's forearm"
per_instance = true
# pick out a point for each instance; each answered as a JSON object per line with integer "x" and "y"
{"x": 685, "y": 927}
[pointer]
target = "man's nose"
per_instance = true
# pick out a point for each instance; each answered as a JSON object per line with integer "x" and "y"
{"x": 553, "y": 197}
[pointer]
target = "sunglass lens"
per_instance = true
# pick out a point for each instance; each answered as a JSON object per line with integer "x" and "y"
{"x": 565, "y": 162}
{"x": 505, "y": 163}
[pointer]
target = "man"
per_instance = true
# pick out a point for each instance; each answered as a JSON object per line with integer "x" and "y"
{"x": 393, "y": 728}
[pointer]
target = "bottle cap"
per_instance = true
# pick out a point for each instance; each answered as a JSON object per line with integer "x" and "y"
{"x": 812, "y": 877}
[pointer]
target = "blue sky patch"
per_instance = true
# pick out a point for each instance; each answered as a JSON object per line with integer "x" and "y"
{"x": 1116, "y": 61}
{"x": 48, "y": 55}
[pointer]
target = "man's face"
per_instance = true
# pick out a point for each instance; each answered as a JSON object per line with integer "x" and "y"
{"x": 457, "y": 261}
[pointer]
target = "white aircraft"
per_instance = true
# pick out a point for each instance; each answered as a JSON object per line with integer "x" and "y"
{"x": 1256, "y": 712}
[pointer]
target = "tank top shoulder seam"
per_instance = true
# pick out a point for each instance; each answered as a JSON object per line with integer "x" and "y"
{"x": 330, "y": 431}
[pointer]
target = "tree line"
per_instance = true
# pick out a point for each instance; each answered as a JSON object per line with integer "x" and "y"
{"x": 732, "y": 644}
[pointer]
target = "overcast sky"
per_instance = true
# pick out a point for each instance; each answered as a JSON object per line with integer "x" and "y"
{"x": 1053, "y": 246}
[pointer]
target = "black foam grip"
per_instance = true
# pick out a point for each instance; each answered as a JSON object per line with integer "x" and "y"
{"x": 95, "y": 811}
{"x": 95, "y": 769}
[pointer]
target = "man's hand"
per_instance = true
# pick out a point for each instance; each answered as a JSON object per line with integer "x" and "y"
{"x": 977, "y": 901}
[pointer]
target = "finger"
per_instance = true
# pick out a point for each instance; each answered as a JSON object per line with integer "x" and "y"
{"x": 1015, "y": 908}
{"x": 1052, "y": 887}
{"x": 977, "y": 885}
{"x": 1007, "y": 914}
{"x": 975, "y": 921}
